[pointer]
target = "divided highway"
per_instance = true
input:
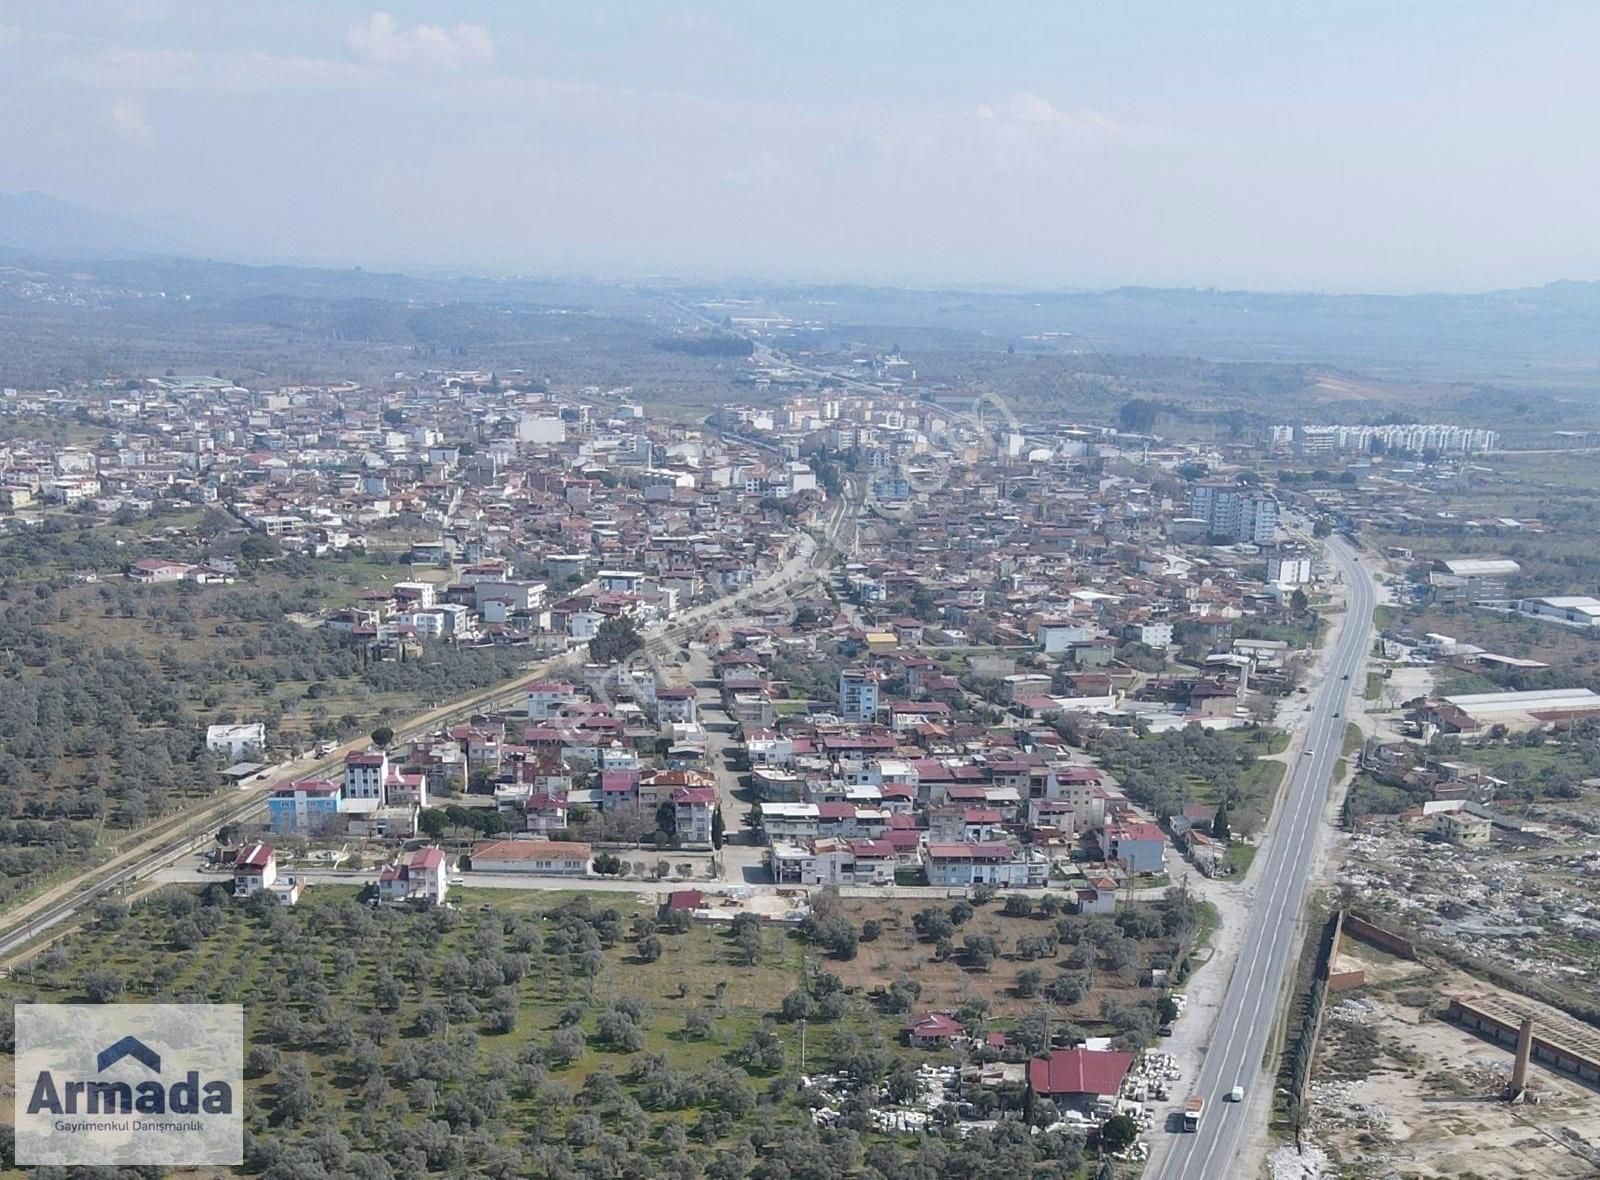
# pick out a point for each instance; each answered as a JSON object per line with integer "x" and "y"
{"x": 1274, "y": 935}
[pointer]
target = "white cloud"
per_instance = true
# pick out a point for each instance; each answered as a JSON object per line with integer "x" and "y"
{"x": 379, "y": 41}
{"x": 129, "y": 121}
{"x": 1038, "y": 111}
{"x": 148, "y": 11}
{"x": 170, "y": 70}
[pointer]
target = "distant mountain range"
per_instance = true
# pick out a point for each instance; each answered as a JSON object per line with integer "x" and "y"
{"x": 1546, "y": 337}
{"x": 39, "y": 226}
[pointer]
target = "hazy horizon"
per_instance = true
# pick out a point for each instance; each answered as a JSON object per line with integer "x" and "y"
{"x": 1031, "y": 147}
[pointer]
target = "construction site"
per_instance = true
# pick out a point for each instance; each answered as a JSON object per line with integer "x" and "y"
{"x": 1421, "y": 1071}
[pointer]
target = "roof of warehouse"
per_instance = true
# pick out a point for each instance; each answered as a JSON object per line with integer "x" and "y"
{"x": 1477, "y": 567}
{"x": 1536, "y": 699}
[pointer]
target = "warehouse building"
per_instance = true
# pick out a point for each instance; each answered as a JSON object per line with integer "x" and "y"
{"x": 1472, "y": 713}
{"x": 1575, "y": 610}
{"x": 1466, "y": 581}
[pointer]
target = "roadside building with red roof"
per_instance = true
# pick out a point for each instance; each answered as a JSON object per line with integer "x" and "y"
{"x": 254, "y": 869}
{"x": 423, "y": 877}
{"x": 550, "y": 857}
{"x": 1139, "y": 845}
{"x": 1079, "y": 1078}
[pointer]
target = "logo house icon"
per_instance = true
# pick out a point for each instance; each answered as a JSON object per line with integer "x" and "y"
{"x": 128, "y": 1047}
{"x": 129, "y": 1084}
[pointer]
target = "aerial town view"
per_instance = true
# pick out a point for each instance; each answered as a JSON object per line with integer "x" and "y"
{"x": 695, "y": 591}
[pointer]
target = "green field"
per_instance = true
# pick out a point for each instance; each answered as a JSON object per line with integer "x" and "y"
{"x": 557, "y": 1031}
{"x": 1240, "y": 858}
{"x": 108, "y": 685}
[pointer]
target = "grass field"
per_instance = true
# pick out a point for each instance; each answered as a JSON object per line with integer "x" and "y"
{"x": 1240, "y": 858}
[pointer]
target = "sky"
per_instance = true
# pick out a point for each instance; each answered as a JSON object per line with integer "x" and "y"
{"x": 1056, "y": 144}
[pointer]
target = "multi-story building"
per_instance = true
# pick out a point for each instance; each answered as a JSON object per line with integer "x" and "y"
{"x": 254, "y": 869}
{"x": 858, "y": 693}
{"x": 546, "y": 698}
{"x": 304, "y": 808}
{"x": 1138, "y": 845}
{"x": 365, "y": 775}
{"x": 1288, "y": 570}
{"x": 680, "y": 705}
{"x": 423, "y": 877}
{"x": 1463, "y": 828}
{"x": 1418, "y": 438}
{"x": 962, "y": 863}
{"x": 692, "y": 810}
{"x": 1235, "y": 512}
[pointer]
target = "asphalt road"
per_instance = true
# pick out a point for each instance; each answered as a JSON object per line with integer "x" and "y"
{"x": 1274, "y": 934}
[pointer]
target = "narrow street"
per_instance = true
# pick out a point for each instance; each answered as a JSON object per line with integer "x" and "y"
{"x": 741, "y": 850}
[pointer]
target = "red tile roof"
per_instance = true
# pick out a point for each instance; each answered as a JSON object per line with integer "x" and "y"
{"x": 255, "y": 856}
{"x": 1134, "y": 831}
{"x": 872, "y": 849}
{"x": 426, "y": 858}
{"x": 1078, "y": 1071}
{"x": 310, "y": 786}
{"x": 970, "y": 850}
{"x": 934, "y": 1025}
{"x": 515, "y": 850}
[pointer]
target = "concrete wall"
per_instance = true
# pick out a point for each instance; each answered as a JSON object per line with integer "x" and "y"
{"x": 1358, "y": 927}
{"x": 1346, "y": 980}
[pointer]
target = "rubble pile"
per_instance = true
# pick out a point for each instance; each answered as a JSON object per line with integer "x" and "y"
{"x": 1285, "y": 1163}
{"x": 1492, "y": 906}
{"x": 1150, "y": 1081}
{"x": 1351, "y": 1011}
{"x": 1335, "y": 1104}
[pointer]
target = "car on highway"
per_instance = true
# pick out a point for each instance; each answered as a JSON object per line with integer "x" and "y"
{"x": 1236, "y": 1094}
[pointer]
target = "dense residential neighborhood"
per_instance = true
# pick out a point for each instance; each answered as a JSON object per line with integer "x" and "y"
{"x": 934, "y": 699}
{"x": 688, "y": 591}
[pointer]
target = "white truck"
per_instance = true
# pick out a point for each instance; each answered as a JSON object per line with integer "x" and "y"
{"x": 1192, "y": 1111}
